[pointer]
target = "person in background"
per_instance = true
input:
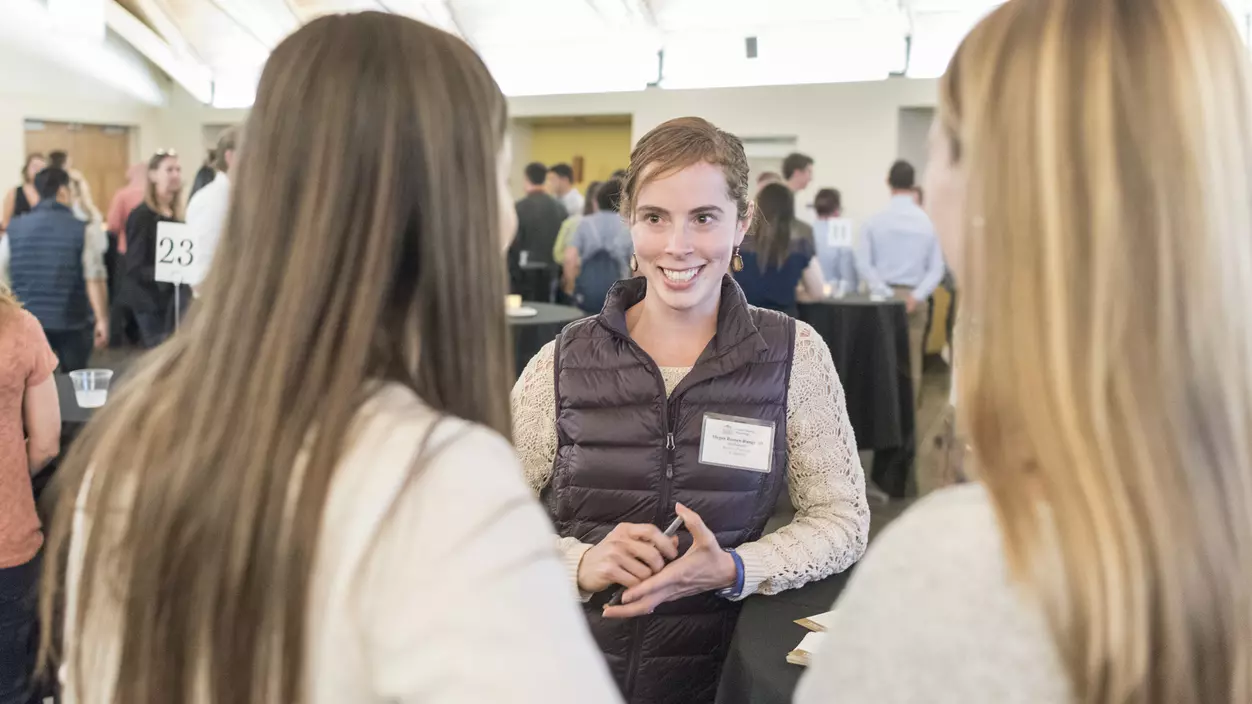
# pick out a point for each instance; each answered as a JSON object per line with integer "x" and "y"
{"x": 766, "y": 178}
{"x": 561, "y": 184}
{"x": 567, "y": 227}
{"x": 30, "y": 438}
{"x": 207, "y": 210}
{"x": 837, "y": 259}
{"x": 619, "y": 174}
{"x": 205, "y": 175}
{"x": 148, "y": 301}
{"x": 620, "y": 458}
{"x": 899, "y": 254}
{"x": 80, "y": 200}
{"x": 797, "y": 171}
{"x": 1103, "y": 557}
{"x": 566, "y": 293}
{"x": 598, "y": 253}
{"x": 20, "y": 200}
{"x": 539, "y": 218}
{"x": 57, "y": 269}
{"x": 779, "y": 261}
{"x": 337, "y": 516}
{"x": 124, "y": 203}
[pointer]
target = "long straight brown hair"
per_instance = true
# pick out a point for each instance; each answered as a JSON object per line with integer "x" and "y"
{"x": 362, "y": 246}
{"x": 776, "y": 217}
{"x": 1107, "y": 380}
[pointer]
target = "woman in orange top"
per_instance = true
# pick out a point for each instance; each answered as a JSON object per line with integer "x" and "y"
{"x": 30, "y": 435}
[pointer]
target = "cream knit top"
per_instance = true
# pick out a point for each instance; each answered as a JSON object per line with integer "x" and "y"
{"x": 825, "y": 479}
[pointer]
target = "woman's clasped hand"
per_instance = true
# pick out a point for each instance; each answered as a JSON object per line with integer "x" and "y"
{"x": 704, "y": 567}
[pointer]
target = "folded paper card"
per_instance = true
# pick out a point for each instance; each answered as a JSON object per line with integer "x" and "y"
{"x": 804, "y": 652}
{"x": 819, "y": 623}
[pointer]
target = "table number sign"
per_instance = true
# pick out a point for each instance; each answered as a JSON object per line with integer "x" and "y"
{"x": 840, "y": 233}
{"x": 177, "y": 253}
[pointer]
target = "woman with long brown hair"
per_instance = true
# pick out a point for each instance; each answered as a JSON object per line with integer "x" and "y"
{"x": 308, "y": 494}
{"x": 141, "y": 296}
{"x": 1089, "y": 181}
{"x": 780, "y": 259}
{"x": 22, "y": 199}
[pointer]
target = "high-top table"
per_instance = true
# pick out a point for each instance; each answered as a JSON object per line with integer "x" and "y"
{"x": 869, "y": 342}
{"x": 531, "y": 334}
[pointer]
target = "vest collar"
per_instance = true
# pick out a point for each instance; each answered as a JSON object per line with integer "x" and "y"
{"x": 737, "y": 335}
{"x": 50, "y": 205}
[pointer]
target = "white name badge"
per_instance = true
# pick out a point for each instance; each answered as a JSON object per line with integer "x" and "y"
{"x": 178, "y": 257}
{"x": 840, "y": 234}
{"x": 738, "y": 443}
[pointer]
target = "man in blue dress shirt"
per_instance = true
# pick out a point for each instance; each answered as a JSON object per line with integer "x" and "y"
{"x": 899, "y": 254}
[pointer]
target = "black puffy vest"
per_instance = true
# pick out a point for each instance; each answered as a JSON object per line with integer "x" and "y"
{"x": 626, "y": 453}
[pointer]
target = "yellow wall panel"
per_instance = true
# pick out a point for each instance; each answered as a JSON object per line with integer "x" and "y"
{"x": 603, "y": 148}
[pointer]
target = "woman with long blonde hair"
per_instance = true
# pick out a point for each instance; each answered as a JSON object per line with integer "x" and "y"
{"x": 140, "y": 295}
{"x": 1090, "y": 182}
{"x": 308, "y": 494}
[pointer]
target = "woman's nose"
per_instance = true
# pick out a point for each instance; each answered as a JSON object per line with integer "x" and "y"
{"x": 679, "y": 240}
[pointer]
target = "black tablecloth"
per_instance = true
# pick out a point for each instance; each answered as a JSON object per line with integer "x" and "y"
{"x": 869, "y": 341}
{"x": 531, "y": 334}
{"x": 534, "y": 281}
{"x": 757, "y": 671}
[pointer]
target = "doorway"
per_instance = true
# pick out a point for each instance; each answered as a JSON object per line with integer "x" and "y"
{"x": 100, "y": 152}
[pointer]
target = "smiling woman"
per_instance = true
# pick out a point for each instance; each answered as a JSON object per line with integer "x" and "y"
{"x": 610, "y": 422}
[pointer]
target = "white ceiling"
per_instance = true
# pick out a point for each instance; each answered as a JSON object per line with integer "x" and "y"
{"x": 574, "y": 46}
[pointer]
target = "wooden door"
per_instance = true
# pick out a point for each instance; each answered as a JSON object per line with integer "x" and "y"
{"x": 100, "y": 152}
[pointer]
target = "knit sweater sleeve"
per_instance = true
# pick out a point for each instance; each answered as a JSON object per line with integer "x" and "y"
{"x": 827, "y": 484}
{"x": 534, "y": 434}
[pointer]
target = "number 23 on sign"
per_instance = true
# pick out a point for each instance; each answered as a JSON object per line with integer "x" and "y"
{"x": 177, "y": 255}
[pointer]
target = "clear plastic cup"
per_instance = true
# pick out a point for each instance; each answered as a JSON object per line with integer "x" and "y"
{"x": 91, "y": 386}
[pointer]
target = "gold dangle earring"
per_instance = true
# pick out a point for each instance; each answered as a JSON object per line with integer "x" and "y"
{"x": 634, "y": 263}
{"x": 736, "y": 262}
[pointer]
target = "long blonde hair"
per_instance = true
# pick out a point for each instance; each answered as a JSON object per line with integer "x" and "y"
{"x": 362, "y": 246}
{"x": 1107, "y": 381}
{"x": 6, "y": 295}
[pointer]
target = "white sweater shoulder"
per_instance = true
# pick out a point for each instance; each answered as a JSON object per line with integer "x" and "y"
{"x": 435, "y": 579}
{"x": 438, "y": 576}
{"x": 931, "y": 614}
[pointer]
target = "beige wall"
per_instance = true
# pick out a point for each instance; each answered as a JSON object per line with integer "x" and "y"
{"x": 37, "y": 88}
{"x": 851, "y": 129}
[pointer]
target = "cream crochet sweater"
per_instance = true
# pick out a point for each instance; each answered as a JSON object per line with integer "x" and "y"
{"x": 825, "y": 479}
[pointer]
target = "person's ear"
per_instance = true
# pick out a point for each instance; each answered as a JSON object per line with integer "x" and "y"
{"x": 745, "y": 224}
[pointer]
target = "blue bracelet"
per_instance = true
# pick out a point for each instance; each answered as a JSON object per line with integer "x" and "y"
{"x": 735, "y": 591}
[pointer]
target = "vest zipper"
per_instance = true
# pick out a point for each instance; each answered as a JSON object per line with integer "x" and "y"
{"x": 632, "y": 664}
{"x": 669, "y": 459}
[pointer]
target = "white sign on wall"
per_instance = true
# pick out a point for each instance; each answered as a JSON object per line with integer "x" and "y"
{"x": 840, "y": 233}
{"x": 178, "y": 259}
